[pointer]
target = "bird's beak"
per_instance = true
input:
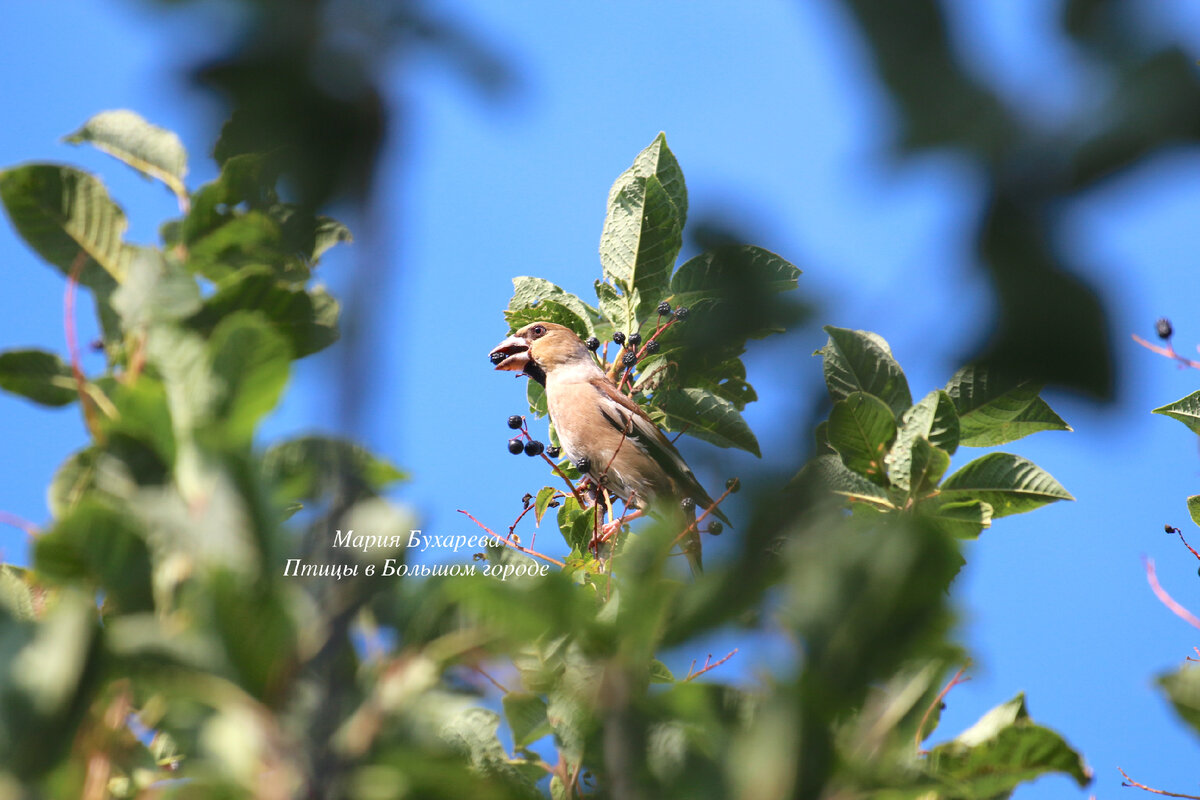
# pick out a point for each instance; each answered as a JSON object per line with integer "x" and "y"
{"x": 511, "y": 355}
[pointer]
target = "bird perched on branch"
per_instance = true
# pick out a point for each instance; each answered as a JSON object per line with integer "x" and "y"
{"x": 600, "y": 428}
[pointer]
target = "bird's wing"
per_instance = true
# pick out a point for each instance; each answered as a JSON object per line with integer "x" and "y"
{"x": 628, "y": 417}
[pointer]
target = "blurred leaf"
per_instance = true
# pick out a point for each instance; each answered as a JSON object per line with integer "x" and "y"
{"x": 706, "y": 416}
{"x": 16, "y": 594}
{"x": 153, "y": 151}
{"x": 1186, "y": 410}
{"x": 313, "y": 467}
{"x": 962, "y": 519}
{"x": 101, "y": 546}
{"x": 252, "y": 362}
{"x": 38, "y": 376}
{"x": 1008, "y": 483}
{"x": 660, "y": 673}
{"x": 860, "y": 361}
{"x": 1183, "y": 690}
{"x": 526, "y": 716}
{"x": 860, "y": 429}
{"x": 157, "y": 290}
{"x": 744, "y": 278}
{"x": 62, "y": 212}
{"x": 46, "y": 674}
{"x": 829, "y": 472}
{"x": 307, "y": 319}
{"x": 1002, "y": 750}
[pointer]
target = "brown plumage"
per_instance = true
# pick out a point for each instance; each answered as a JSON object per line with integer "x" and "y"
{"x": 625, "y": 450}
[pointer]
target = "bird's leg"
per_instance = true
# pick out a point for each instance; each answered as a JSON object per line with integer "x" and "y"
{"x": 609, "y": 529}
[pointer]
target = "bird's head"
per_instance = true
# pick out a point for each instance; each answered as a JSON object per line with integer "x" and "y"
{"x": 538, "y": 348}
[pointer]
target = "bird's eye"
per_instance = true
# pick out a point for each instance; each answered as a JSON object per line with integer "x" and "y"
{"x": 538, "y": 330}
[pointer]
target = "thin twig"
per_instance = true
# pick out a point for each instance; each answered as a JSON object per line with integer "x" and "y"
{"x": 493, "y": 681}
{"x": 1179, "y": 533}
{"x": 527, "y": 551}
{"x": 1168, "y": 351}
{"x": 937, "y": 701}
{"x": 18, "y": 522}
{"x": 85, "y": 400}
{"x": 1166, "y": 599}
{"x": 682, "y": 431}
{"x": 1131, "y": 782}
{"x": 708, "y": 665}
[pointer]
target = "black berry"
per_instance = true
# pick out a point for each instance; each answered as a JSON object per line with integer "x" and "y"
{"x": 514, "y": 422}
{"x": 583, "y": 465}
{"x": 652, "y": 346}
{"x": 534, "y": 448}
{"x": 687, "y": 503}
{"x": 592, "y": 343}
{"x": 515, "y": 446}
{"x": 635, "y": 339}
{"x": 733, "y": 484}
{"x": 681, "y": 313}
{"x": 619, "y": 337}
{"x": 629, "y": 359}
{"x": 715, "y": 528}
{"x": 553, "y": 452}
{"x": 496, "y": 358}
{"x": 1163, "y": 326}
{"x": 664, "y": 308}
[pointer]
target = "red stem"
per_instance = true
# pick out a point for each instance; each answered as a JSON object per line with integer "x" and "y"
{"x": 1165, "y": 598}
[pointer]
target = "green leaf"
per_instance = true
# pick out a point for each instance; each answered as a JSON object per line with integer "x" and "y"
{"x": 932, "y": 421}
{"x": 38, "y": 376}
{"x": 829, "y": 472}
{"x": 962, "y": 519}
{"x": 647, "y": 209}
{"x": 252, "y": 361}
{"x": 1009, "y": 483}
{"x": 926, "y": 467}
{"x": 153, "y": 151}
{"x": 313, "y": 467}
{"x": 144, "y": 414}
{"x": 531, "y": 292}
{"x": 99, "y": 544}
{"x": 705, "y": 416}
{"x": 62, "y": 212}
{"x": 1193, "y": 504}
{"x": 548, "y": 311}
{"x": 307, "y": 319}
{"x": 535, "y": 394}
{"x": 575, "y": 524}
{"x": 1001, "y": 751}
{"x": 544, "y": 496}
{"x": 1183, "y": 690}
{"x": 1186, "y": 410}
{"x": 860, "y": 429}
{"x": 742, "y": 275}
{"x": 860, "y": 361}
{"x": 526, "y": 715}
{"x": 616, "y": 307}
{"x": 994, "y": 409}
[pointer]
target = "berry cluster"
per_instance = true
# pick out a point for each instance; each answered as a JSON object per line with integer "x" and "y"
{"x": 633, "y": 349}
{"x": 524, "y": 443}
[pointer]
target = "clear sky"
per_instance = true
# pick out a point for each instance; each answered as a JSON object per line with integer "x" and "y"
{"x": 774, "y": 117}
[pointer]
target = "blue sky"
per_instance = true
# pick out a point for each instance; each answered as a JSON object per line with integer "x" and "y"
{"x": 777, "y": 124}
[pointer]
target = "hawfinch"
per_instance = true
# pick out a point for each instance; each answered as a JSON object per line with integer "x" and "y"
{"x": 623, "y": 450}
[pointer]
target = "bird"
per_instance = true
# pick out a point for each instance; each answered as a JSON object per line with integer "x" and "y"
{"x": 600, "y": 429}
